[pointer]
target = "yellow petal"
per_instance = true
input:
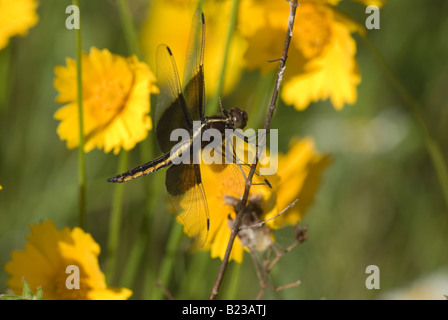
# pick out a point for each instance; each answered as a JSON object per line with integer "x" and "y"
{"x": 300, "y": 172}
{"x": 16, "y": 18}
{"x": 334, "y": 76}
{"x": 110, "y": 294}
{"x": 219, "y": 246}
{"x": 65, "y": 82}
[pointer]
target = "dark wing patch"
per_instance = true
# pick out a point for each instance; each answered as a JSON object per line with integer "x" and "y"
{"x": 171, "y": 110}
{"x": 193, "y": 82}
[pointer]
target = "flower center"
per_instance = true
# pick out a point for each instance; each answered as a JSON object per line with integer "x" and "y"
{"x": 314, "y": 29}
{"x": 107, "y": 100}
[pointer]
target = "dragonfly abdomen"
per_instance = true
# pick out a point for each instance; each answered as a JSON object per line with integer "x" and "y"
{"x": 143, "y": 170}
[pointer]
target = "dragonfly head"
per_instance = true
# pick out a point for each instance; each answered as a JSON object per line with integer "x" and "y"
{"x": 239, "y": 118}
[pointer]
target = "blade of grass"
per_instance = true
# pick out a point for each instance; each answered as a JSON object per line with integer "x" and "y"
{"x": 81, "y": 155}
{"x": 128, "y": 28}
{"x": 137, "y": 250}
{"x": 117, "y": 203}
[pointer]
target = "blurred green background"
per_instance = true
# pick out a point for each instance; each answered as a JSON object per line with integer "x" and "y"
{"x": 380, "y": 203}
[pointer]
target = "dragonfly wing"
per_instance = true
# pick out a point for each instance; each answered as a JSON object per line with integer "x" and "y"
{"x": 171, "y": 110}
{"x": 186, "y": 192}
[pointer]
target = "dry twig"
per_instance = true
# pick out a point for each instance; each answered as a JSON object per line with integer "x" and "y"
{"x": 166, "y": 292}
{"x": 263, "y": 269}
{"x": 292, "y": 13}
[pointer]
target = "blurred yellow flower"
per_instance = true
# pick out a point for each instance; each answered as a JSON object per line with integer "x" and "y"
{"x": 298, "y": 177}
{"x": 48, "y": 252}
{"x": 1, "y": 187}
{"x": 16, "y": 18}
{"x": 321, "y": 62}
{"x": 159, "y": 28}
{"x": 299, "y": 173}
{"x": 115, "y": 101}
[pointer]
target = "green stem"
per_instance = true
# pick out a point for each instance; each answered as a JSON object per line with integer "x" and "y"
{"x": 257, "y": 112}
{"x": 233, "y": 17}
{"x": 115, "y": 220}
{"x": 81, "y": 155}
{"x": 147, "y": 152}
{"x": 128, "y": 28}
{"x": 133, "y": 261}
{"x": 234, "y": 282}
{"x": 431, "y": 143}
{"x": 117, "y": 205}
{"x": 167, "y": 265}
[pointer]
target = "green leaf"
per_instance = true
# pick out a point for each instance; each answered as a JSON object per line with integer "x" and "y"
{"x": 27, "y": 293}
{"x": 39, "y": 294}
{"x": 10, "y": 297}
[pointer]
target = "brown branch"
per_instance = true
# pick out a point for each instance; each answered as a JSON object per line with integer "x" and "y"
{"x": 287, "y": 286}
{"x": 279, "y": 254}
{"x": 258, "y": 270}
{"x": 281, "y": 69}
{"x": 268, "y": 265}
{"x": 263, "y": 269}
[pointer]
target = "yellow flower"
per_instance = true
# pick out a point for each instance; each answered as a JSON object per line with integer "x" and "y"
{"x": 115, "y": 101}
{"x": 159, "y": 28}
{"x": 321, "y": 62}
{"x": 16, "y": 17}
{"x": 48, "y": 252}
{"x": 298, "y": 177}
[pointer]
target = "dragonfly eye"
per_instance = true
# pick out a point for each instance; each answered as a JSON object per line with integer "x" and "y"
{"x": 236, "y": 122}
{"x": 239, "y": 118}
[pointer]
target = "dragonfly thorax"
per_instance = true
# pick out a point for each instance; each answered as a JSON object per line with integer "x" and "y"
{"x": 233, "y": 119}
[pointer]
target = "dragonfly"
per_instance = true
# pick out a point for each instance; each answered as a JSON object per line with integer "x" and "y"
{"x": 177, "y": 107}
